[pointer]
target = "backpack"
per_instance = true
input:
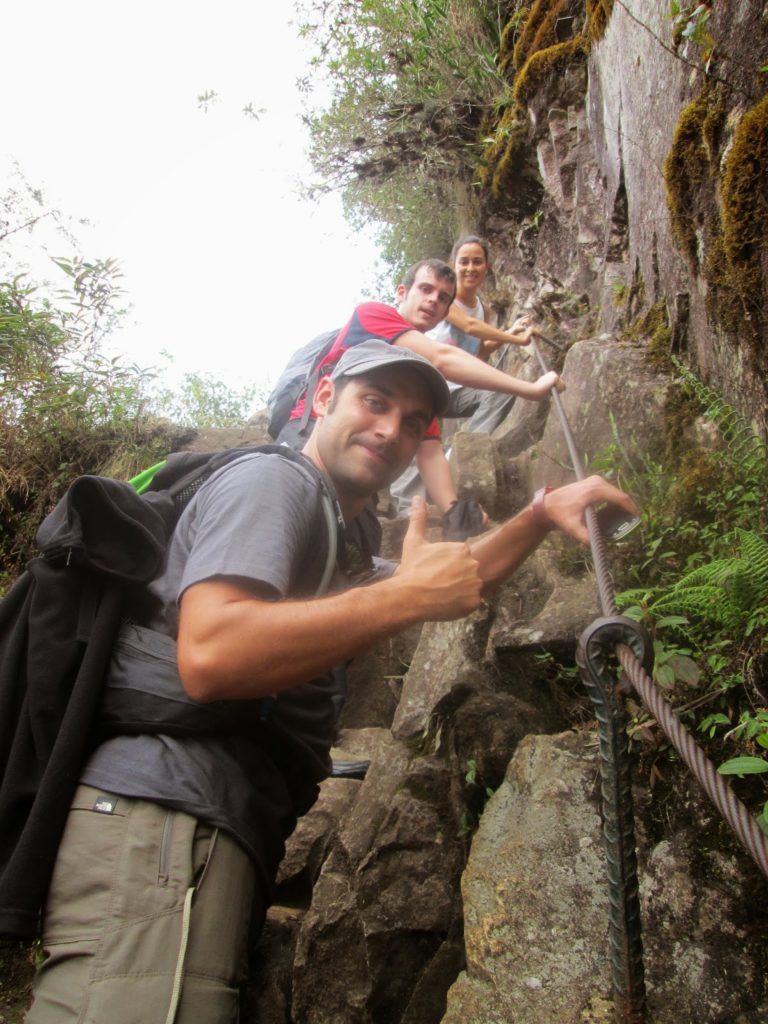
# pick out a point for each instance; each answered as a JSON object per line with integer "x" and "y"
{"x": 100, "y": 546}
{"x": 295, "y": 378}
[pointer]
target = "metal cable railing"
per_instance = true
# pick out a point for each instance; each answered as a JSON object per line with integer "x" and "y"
{"x": 627, "y": 641}
{"x": 741, "y": 821}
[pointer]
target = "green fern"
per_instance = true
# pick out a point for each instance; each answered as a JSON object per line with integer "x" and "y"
{"x": 721, "y": 593}
{"x": 754, "y": 549}
{"x": 707, "y": 603}
{"x": 745, "y": 447}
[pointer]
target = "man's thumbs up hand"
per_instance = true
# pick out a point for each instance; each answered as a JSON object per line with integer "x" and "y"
{"x": 443, "y": 579}
{"x": 417, "y": 527}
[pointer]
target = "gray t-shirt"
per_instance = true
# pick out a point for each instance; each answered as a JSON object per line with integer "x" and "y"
{"x": 258, "y": 521}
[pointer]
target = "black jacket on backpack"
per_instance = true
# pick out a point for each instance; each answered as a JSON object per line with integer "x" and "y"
{"x": 57, "y": 626}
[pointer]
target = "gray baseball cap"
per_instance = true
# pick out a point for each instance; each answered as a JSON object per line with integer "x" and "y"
{"x": 375, "y": 354}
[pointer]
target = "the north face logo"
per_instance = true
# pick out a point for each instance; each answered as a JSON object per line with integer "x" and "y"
{"x": 105, "y": 804}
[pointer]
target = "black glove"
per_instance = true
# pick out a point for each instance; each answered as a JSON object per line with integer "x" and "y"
{"x": 463, "y": 519}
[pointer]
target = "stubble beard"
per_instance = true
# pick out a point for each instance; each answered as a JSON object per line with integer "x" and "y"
{"x": 381, "y": 475}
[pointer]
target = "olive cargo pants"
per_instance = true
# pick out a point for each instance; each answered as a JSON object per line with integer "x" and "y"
{"x": 147, "y": 918}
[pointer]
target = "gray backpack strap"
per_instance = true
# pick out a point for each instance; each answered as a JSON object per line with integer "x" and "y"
{"x": 330, "y": 514}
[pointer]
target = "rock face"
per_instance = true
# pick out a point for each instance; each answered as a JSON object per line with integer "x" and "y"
{"x": 602, "y": 248}
{"x": 613, "y": 397}
{"x": 383, "y": 908}
{"x": 538, "y": 952}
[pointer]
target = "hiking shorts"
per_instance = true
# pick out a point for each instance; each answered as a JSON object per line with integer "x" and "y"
{"x": 147, "y": 918}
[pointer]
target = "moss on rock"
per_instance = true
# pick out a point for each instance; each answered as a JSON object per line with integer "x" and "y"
{"x": 545, "y": 63}
{"x": 530, "y": 54}
{"x": 510, "y": 151}
{"x": 720, "y": 221}
{"x": 598, "y": 15}
{"x": 653, "y": 327}
{"x": 685, "y": 170}
{"x": 538, "y": 32}
{"x": 744, "y": 205}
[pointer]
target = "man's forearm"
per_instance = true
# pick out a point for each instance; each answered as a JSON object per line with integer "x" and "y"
{"x": 234, "y": 646}
{"x": 462, "y": 368}
{"x": 500, "y": 552}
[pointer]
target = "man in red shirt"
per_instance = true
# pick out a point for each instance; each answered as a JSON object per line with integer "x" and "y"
{"x": 424, "y": 297}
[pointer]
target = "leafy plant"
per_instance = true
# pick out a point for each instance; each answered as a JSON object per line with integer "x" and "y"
{"x": 744, "y": 766}
{"x": 66, "y": 408}
{"x": 471, "y": 777}
{"x": 700, "y": 563}
{"x": 691, "y": 22}
{"x": 408, "y": 81}
{"x": 203, "y": 402}
{"x": 742, "y": 443}
{"x": 723, "y": 592}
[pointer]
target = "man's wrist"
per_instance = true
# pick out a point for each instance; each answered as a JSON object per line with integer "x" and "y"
{"x": 539, "y": 509}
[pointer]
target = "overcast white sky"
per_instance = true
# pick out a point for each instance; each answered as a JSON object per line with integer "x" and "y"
{"x": 225, "y": 266}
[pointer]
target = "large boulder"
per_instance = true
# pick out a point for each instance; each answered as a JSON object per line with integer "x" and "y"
{"x": 613, "y": 397}
{"x": 535, "y": 901}
{"x": 536, "y": 909}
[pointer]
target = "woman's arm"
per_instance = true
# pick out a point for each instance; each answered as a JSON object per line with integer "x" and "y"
{"x": 491, "y": 338}
{"x": 520, "y": 333}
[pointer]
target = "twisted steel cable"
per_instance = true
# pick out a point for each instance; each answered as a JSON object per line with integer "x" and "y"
{"x": 749, "y": 833}
{"x": 747, "y": 830}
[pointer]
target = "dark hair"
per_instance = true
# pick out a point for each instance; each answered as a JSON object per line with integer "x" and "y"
{"x": 466, "y": 240}
{"x": 441, "y": 269}
{"x": 338, "y": 386}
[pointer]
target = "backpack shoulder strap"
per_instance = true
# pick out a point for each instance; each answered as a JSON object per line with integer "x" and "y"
{"x": 324, "y": 361}
{"x": 332, "y": 514}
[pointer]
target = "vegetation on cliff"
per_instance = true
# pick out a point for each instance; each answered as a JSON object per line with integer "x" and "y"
{"x": 67, "y": 407}
{"x": 696, "y": 574}
{"x": 427, "y": 116}
{"x": 410, "y": 82}
{"x": 715, "y": 175}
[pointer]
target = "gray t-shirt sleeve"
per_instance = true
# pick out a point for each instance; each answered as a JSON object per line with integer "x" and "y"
{"x": 254, "y": 521}
{"x": 258, "y": 521}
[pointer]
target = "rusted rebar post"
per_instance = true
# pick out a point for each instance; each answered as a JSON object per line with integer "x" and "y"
{"x": 627, "y": 971}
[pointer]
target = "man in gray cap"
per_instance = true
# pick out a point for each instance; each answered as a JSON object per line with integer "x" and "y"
{"x": 175, "y": 835}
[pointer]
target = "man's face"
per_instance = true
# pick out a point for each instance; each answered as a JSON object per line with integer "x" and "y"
{"x": 369, "y": 431}
{"x": 426, "y": 302}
